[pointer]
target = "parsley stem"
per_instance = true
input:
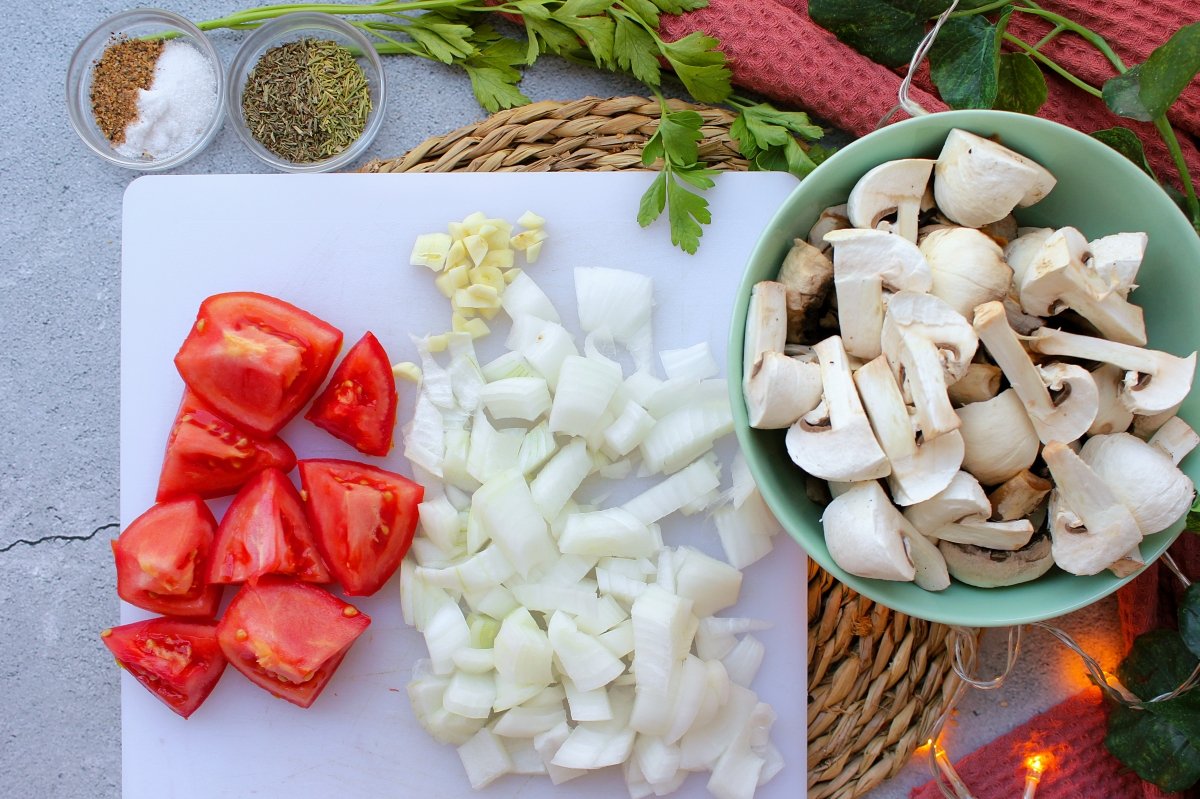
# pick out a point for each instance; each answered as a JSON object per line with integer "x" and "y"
{"x": 1052, "y": 65}
{"x": 1185, "y": 177}
{"x": 1087, "y": 34}
{"x": 984, "y": 9}
{"x": 1049, "y": 37}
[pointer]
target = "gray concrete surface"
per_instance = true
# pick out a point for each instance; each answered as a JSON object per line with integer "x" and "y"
{"x": 59, "y": 315}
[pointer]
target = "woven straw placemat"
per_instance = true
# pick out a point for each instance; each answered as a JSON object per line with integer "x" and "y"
{"x": 877, "y": 679}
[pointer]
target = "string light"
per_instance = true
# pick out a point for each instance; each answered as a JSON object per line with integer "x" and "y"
{"x": 1035, "y": 767}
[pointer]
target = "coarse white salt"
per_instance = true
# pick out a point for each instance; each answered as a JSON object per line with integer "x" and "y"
{"x": 175, "y": 110}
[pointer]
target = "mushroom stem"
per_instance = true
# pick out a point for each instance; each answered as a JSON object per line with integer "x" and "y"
{"x": 1019, "y": 496}
{"x": 865, "y": 534}
{"x": 979, "y": 384}
{"x": 1176, "y": 438}
{"x": 980, "y": 532}
{"x": 766, "y": 325}
{"x": 781, "y": 390}
{"x": 1072, "y": 415}
{"x": 1154, "y": 381}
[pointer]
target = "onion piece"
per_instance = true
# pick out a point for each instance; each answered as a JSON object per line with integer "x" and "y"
{"x": 620, "y": 302}
{"x": 547, "y": 348}
{"x": 547, "y": 745}
{"x": 685, "y": 434}
{"x": 689, "y": 363}
{"x": 523, "y": 650}
{"x": 470, "y": 695}
{"x": 537, "y": 447}
{"x": 526, "y": 722}
{"x": 424, "y": 436}
{"x": 584, "y": 659}
{"x": 560, "y": 478}
{"x": 485, "y": 759}
{"x": 743, "y": 662}
{"x": 590, "y": 705}
{"x": 508, "y": 513}
{"x": 584, "y": 389}
{"x": 525, "y": 297}
{"x": 613, "y": 531}
{"x": 524, "y": 398}
{"x": 491, "y": 450}
{"x": 674, "y": 492}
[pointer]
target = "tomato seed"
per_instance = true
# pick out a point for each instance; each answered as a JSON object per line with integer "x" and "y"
{"x": 349, "y": 611}
{"x": 106, "y": 633}
{"x": 241, "y": 635}
{"x": 199, "y": 325}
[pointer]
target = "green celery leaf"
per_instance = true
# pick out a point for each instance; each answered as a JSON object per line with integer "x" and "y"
{"x": 1126, "y": 142}
{"x": 1158, "y": 663}
{"x": 584, "y": 8}
{"x": 887, "y": 31}
{"x": 965, "y": 62}
{"x": 687, "y": 212}
{"x": 654, "y": 200}
{"x": 1147, "y": 90}
{"x": 597, "y": 34}
{"x": 680, "y": 6}
{"x": 644, "y": 9}
{"x": 1154, "y": 747}
{"x": 700, "y": 65}
{"x": 634, "y": 50}
{"x": 1189, "y": 619}
{"x": 494, "y": 88}
{"x": 1021, "y": 86}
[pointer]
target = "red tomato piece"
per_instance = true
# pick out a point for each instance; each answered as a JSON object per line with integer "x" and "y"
{"x": 265, "y": 531}
{"x": 256, "y": 360}
{"x": 359, "y": 404}
{"x": 212, "y": 456}
{"x": 178, "y": 661}
{"x": 163, "y": 557}
{"x": 363, "y": 518}
{"x": 289, "y": 637}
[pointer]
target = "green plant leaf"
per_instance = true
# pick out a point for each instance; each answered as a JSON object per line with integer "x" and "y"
{"x": 654, "y": 200}
{"x": 584, "y": 8}
{"x": 887, "y": 31}
{"x": 444, "y": 39}
{"x": 1020, "y": 86}
{"x": 1154, "y": 746}
{"x": 1192, "y": 523}
{"x": 1158, "y": 663}
{"x": 645, "y": 9}
{"x": 1147, "y": 90}
{"x": 1189, "y": 619}
{"x": 766, "y": 136}
{"x": 700, "y": 65}
{"x": 680, "y": 6}
{"x": 494, "y": 88}
{"x": 1126, "y": 142}
{"x": 678, "y": 133}
{"x": 687, "y": 212}
{"x": 964, "y": 62}
{"x": 634, "y": 50}
{"x": 597, "y": 33}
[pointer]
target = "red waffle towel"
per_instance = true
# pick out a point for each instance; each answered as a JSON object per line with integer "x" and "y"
{"x": 776, "y": 50}
{"x": 1072, "y": 733}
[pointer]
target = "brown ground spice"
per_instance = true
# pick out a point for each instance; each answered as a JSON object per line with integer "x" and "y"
{"x": 126, "y": 66}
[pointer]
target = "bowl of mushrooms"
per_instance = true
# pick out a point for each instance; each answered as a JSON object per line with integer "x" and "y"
{"x": 967, "y": 344}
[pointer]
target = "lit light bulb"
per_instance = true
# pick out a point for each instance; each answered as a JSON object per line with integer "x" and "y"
{"x": 1035, "y": 767}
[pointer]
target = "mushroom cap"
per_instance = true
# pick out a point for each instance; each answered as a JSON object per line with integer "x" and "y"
{"x": 892, "y": 187}
{"x": 832, "y": 218}
{"x": 865, "y": 534}
{"x": 1019, "y": 252}
{"x": 1019, "y": 496}
{"x": 807, "y": 276}
{"x": 977, "y": 181}
{"x": 980, "y": 383}
{"x": 1075, "y": 405}
{"x": 979, "y": 532}
{"x": 1143, "y": 478}
{"x": 961, "y": 499}
{"x": 1117, "y": 259}
{"x": 992, "y": 568}
{"x": 968, "y": 268}
{"x": 928, "y": 562}
{"x": 998, "y": 437}
{"x": 842, "y": 446}
{"x": 781, "y": 390}
{"x": 1111, "y": 416}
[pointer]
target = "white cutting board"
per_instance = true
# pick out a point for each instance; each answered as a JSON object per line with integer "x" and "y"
{"x": 338, "y": 245}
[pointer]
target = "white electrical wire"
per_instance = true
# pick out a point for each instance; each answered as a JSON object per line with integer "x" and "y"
{"x": 906, "y": 103}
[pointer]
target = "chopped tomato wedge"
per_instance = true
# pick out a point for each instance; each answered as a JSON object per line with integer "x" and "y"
{"x": 265, "y": 531}
{"x": 211, "y": 456}
{"x": 162, "y": 559}
{"x": 256, "y": 360}
{"x": 363, "y": 518}
{"x": 359, "y": 404}
{"x": 289, "y": 637}
{"x": 178, "y": 661}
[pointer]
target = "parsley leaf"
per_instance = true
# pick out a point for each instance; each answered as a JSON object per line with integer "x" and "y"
{"x": 700, "y": 65}
{"x": 493, "y": 73}
{"x": 675, "y": 143}
{"x": 445, "y": 39}
{"x": 765, "y": 136}
{"x": 634, "y": 50}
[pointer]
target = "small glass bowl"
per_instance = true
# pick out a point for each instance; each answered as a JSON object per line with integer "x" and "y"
{"x": 289, "y": 28}
{"x": 134, "y": 24}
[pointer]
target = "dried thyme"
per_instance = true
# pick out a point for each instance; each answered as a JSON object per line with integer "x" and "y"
{"x": 306, "y": 100}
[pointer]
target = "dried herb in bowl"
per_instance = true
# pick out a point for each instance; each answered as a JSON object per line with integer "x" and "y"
{"x": 306, "y": 100}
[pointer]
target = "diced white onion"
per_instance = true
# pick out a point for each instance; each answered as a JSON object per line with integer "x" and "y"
{"x": 613, "y": 531}
{"x": 424, "y": 439}
{"x": 619, "y": 301}
{"x": 585, "y": 660}
{"x": 527, "y": 722}
{"x": 508, "y": 512}
{"x": 546, "y": 350}
{"x": 470, "y": 695}
{"x": 485, "y": 759}
{"x": 440, "y": 522}
{"x": 560, "y": 478}
{"x": 671, "y": 494}
{"x": 525, "y": 297}
{"x": 582, "y": 394}
{"x": 587, "y": 705}
{"x": 523, "y": 651}
{"x": 628, "y": 430}
{"x": 684, "y": 435}
{"x": 743, "y": 662}
{"x": 689, "y": 363}
{"x": 524, "y": 398}
{"x": 537, "y": 447}
{"x": 446, "y": 633}
{"x": 712, "y": 585}
{"x": 547, "y": 745}
{"x": 746, "y": 531}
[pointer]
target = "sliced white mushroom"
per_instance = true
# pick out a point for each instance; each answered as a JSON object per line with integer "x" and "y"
{"x": 1091, "y": 528}
{"x": 968, "y": 268}
{"x": 865, "y": 263}
{"x": 1059, "y": 278}
{"x": 979, "y": 383}
{"x": 928, "y": 561}
{"x": 1176, "y": 438}
{"x": 835, "y": 441}
{"x": 1130, "y": 563}
{"x": 1112, "y": 416}
{"x": 980, "y": 532}
{"x": 1019, "y": 496}
{"x": 865, "y": 534}
{"x": 998, "y": 437}
{"x": 1002, "y": 231}
{"x": 781, "y": 390}
{"x": 1019, "y": 252}
{"x": 893, "y": 187}
{"x": 963, "y": 498}
{"x": 993, "y": 568}
{"x": 919, "y": 469}
{"x": 1018, "y": 320}
{"x": 1143, "y": 477}
{"x": 807, "y": 277}
{"x": 977, "y": 181}
{"x": 1064, "y": 417}
{"x": 929, "y": 346}
{"x": 1146, "y": 425}
{"x": 1117, "y": 259}
{"x": 766, "y": 325}
{"x": 832, "y": 218}
{"x": 1154, "y": 381}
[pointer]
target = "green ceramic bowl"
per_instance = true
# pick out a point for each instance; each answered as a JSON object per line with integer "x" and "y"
{"x": 1099, "y": 192}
